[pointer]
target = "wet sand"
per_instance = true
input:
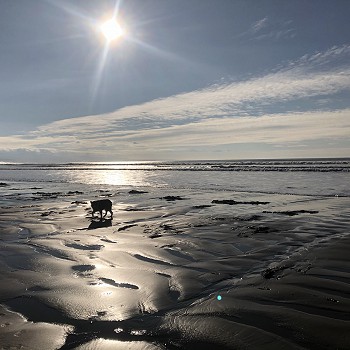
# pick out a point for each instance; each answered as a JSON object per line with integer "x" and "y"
{"x": 174, "y": 269}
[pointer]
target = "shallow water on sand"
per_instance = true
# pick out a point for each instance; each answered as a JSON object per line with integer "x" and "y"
{"x": 176, "y": 267}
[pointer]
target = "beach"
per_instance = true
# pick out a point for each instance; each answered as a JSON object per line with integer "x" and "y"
{"x": 174, "y": 175}
{"x": 196, "y": 267}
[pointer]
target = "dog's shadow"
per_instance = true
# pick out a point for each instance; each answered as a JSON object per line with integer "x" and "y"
{"x": 100, "y": 223}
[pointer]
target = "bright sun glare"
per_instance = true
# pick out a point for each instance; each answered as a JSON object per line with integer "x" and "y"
{"x": 111, "y": 30}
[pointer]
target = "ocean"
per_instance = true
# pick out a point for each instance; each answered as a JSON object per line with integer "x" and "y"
{"x": 328, "y": 177}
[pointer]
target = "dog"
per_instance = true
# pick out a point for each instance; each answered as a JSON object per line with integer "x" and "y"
{"x": 103, "y": 204}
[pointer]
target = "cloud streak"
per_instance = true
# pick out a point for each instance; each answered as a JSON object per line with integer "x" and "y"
{"x": 259, "y": 25}
{"x": 265, "y": 28}
{"x": 222, "y": 114}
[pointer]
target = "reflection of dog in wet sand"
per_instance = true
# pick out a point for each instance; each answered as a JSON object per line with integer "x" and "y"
{"x": 100, "y": 205}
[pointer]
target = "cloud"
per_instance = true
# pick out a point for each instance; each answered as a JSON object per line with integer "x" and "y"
{"x": 36, "y": 156}
{"x": 272, "y": 129}
{"x": 266, "y": 28}
{"x": 337, "y": 56}
{"x": 243, "y": 112}
{"x": 260, "y": 24}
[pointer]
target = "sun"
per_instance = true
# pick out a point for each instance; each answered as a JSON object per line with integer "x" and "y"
{"x": 111, "y": 30}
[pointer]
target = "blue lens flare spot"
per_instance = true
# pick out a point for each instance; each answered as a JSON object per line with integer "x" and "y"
{"x": 219, "y": 297}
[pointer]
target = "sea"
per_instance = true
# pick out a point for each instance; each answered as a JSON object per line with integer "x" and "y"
{"x": 313, "y": 177}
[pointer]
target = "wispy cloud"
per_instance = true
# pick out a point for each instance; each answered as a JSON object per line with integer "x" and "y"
{"x": 223, "y": 114}
{"x": 265, "y": 28}
{"x": 260, "y": 24}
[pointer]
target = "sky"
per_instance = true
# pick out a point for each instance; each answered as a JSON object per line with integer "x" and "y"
{"x": 189, "y": 80}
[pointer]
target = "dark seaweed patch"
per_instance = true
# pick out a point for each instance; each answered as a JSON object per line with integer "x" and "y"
{"x": 172, "y": 198}
{"x": 108, "y": 240}
{"x": 292, "y": 212}
{"x": 83, "y": 268}
{"x": 234, "y": 202}
{"x": 203, "y": 206}
{"x": 137, "y": 192}
{"x": 119, "y": 285}
{"x": 84, "y": 247}
{"x": 155, "y": 235}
